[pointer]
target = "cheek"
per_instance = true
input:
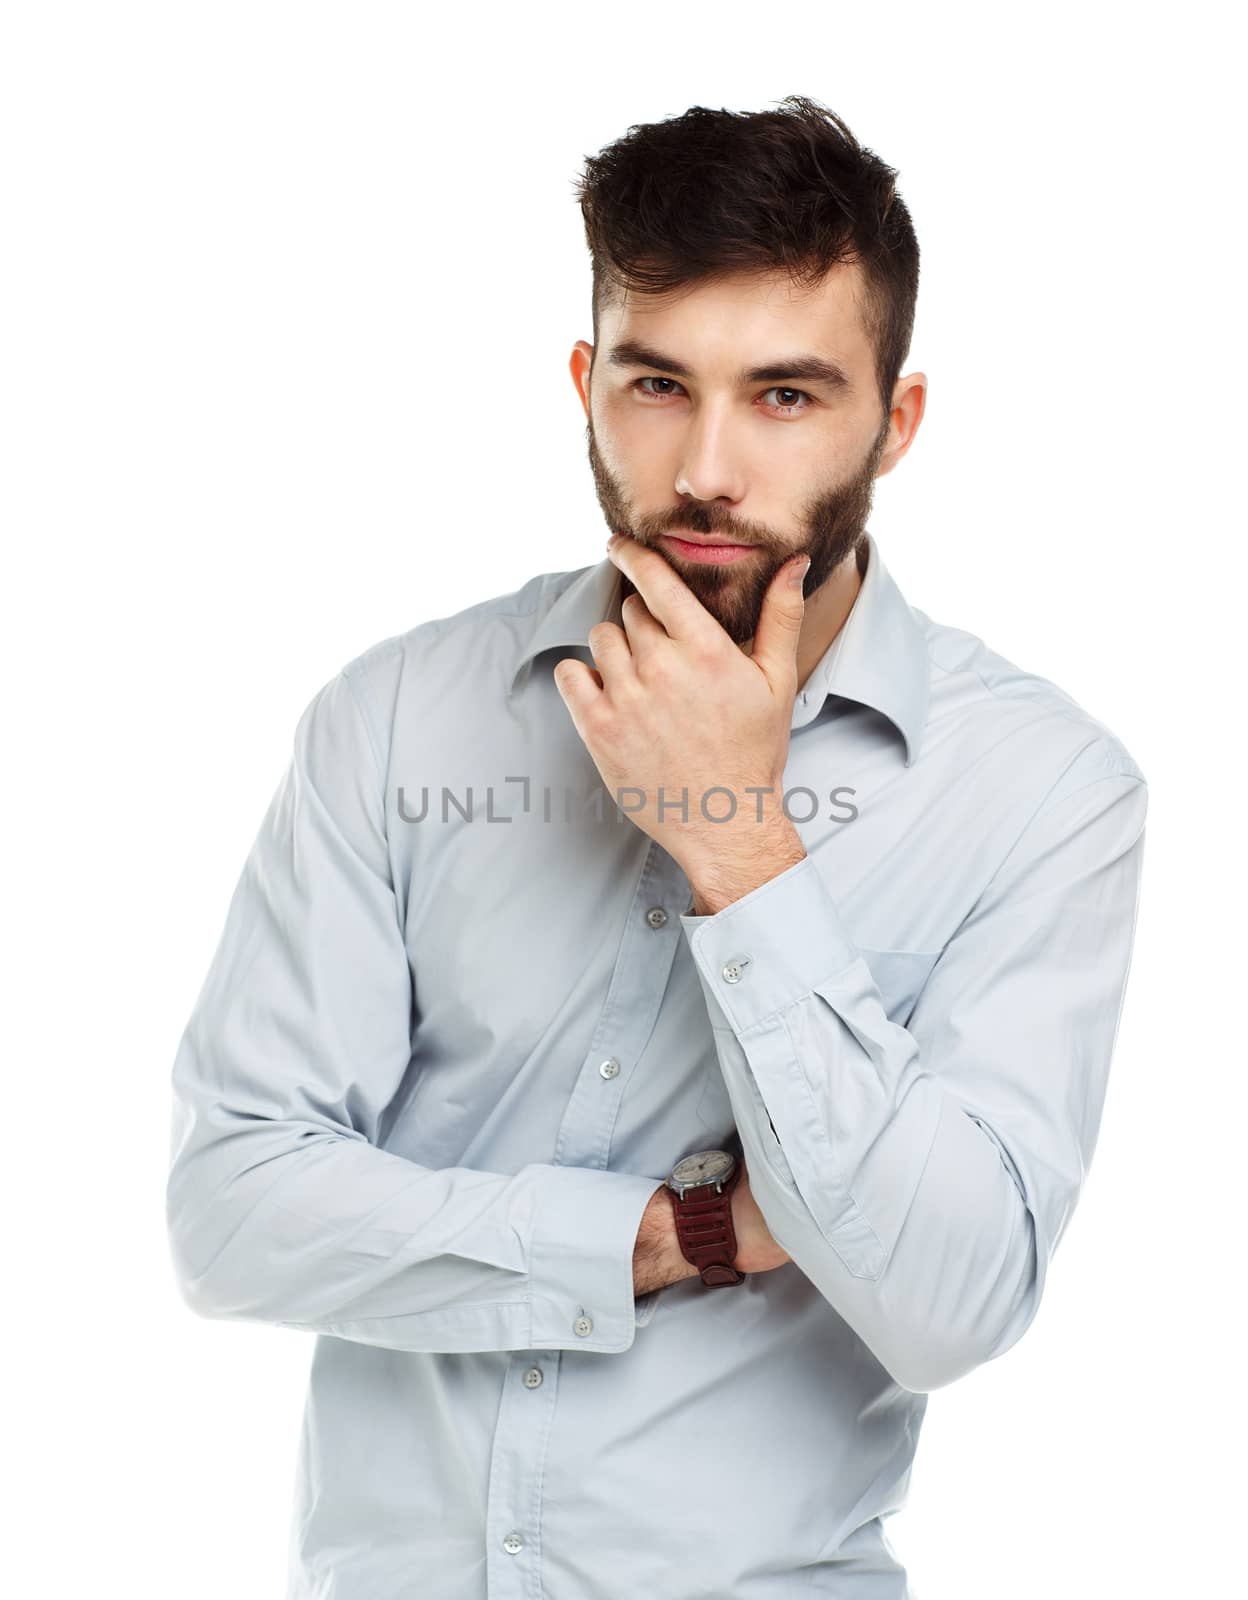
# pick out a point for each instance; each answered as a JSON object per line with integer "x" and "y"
{"x": 635, "y": 444}
{"x": 840, "y": 449}
{"x": 625, "y": 419}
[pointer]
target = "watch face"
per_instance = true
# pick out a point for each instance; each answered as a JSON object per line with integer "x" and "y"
{"x": 704, "y": 1166}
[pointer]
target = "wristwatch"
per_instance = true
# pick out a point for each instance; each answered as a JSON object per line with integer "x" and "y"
{"x": 701, "y": 1188}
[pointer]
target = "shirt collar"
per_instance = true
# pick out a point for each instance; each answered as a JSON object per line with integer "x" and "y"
{"x": 878, "y": 659}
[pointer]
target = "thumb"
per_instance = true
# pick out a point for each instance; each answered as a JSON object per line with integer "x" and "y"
{"x": 780, "y": 622}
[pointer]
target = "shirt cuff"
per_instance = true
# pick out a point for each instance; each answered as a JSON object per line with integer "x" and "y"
{"x": 766, "y": 951}
{"x": 581, "y": 1258}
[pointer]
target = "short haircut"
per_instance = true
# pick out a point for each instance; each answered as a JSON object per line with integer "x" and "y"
{"x": 710, "y": 193}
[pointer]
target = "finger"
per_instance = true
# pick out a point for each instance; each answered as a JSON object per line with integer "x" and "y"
{"x": 668, "y": 598}
{"x": 642, "y": 627}
{"x": 579, "y": 685}
{"x": 610, "y": 647}
{"x": 780, "y": 623}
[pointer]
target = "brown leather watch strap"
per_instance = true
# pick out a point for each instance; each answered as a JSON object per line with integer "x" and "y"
{"x": 705, "y": 1233}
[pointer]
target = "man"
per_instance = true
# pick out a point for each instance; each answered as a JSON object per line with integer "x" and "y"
{"x": 667, "y": 857}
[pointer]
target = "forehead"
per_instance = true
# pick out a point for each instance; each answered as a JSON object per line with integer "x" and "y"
{"x": 721, "y": 320}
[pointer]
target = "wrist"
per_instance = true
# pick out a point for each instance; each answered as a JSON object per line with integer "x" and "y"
{"x": 657, "y": 1256}
{"x": 737, "y": 872}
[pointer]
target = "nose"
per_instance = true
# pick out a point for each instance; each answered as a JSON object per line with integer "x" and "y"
{"x": 709, "y": 466}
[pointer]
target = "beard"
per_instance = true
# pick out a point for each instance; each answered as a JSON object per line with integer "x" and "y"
{"x": 834, "y": 521}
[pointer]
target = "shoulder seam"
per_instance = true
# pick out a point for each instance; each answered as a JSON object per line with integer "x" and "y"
{"x": 1055, "y": 703}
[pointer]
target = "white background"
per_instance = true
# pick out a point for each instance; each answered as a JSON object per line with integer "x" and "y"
{"x": 288, "y": 298}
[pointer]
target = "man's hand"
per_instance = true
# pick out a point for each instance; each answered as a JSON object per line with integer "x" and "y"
{"x": 757, "y": 1251}
{"x": 676, "y": 705}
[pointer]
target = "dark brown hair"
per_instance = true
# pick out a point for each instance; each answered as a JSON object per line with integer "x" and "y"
{"x": 714, "y": 192}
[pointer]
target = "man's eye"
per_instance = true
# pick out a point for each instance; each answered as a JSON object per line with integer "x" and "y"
{"x": 651, "y": 392}
{"x": 787, "y": 405}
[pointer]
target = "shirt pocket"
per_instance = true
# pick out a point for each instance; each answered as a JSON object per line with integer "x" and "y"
{"x": 899, "y": 976}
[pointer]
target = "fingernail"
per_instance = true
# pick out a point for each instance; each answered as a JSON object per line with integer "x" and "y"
{"x": 799, "y": 571}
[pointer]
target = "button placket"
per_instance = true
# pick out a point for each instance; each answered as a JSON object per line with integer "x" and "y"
{"x": 630, "y": 1007}
{"x": 638, "y": 982}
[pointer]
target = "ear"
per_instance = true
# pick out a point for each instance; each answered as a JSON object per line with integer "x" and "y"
{"x": 909, "y": 401}
{"x": 579, "y": 365}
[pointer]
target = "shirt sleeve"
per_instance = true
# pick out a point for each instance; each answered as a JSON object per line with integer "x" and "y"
{"x": 281, "y": 1204}
{"x": 922, "y": 1176}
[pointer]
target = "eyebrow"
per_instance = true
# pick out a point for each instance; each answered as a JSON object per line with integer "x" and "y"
{"x": 812, "y": 369}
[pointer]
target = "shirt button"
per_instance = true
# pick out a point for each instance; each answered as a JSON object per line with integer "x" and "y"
{"x": 513, "y": 1544}
{"x": 656, "y": 916}
{"x": 533, "y": 1378}
{"x": 610, "y": 1067}
{"x": 735, "y": 970}
{"x": 583, "y": 1326}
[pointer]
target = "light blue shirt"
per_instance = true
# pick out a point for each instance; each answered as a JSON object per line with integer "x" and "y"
{"x": 451, "y": 1042}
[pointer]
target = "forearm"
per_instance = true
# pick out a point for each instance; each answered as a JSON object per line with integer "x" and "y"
{"x": 657, "y": 1258}
{"x": 334, "y": 1235}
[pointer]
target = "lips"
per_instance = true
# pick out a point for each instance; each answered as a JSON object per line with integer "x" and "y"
{"x": 709, "y": 539}
{"x": 707, "y": 550}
